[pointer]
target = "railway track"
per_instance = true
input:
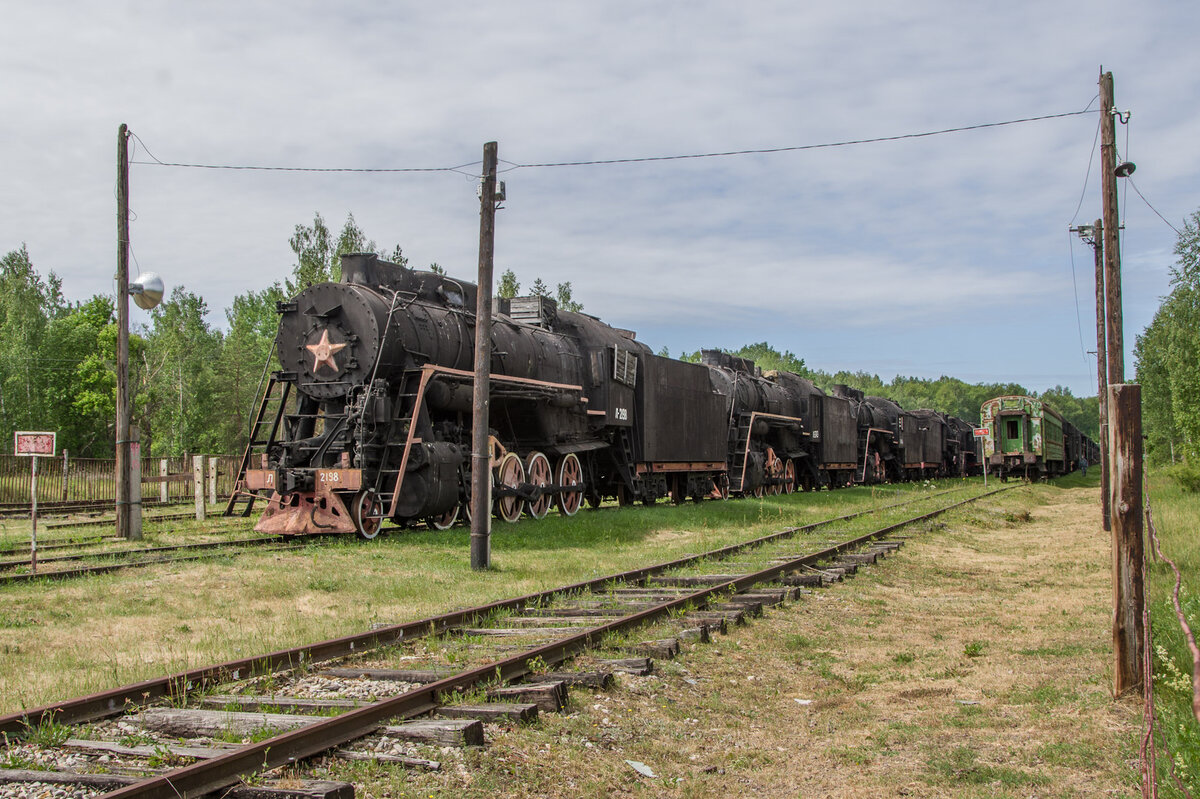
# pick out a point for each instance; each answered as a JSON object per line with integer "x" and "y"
{"x": 120, "y": 559}
{"x": 20, "y": 510}
{"x": 503, "y": 660}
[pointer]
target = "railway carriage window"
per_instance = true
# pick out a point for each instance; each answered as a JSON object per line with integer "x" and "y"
{"x": 1013, "y": 429}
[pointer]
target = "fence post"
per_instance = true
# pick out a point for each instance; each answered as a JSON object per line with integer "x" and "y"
{"x": 212, "y": 480}
{"x": 66, "y": 466}
{"x": 134, "y": 511}
{"x": 198, "y": 480}
{"x": 164, "y": 471}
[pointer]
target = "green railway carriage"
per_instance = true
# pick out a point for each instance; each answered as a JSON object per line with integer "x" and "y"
{"x": 1025, "y": 438}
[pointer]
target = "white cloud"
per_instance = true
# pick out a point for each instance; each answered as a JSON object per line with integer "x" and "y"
{"x": 835, "y": 248}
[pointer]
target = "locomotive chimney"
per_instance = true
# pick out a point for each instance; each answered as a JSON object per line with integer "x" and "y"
{"x": 360, "y": 268}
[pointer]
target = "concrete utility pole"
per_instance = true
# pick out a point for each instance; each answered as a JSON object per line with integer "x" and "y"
{"x": 124, "y": 528}
{"x": 1093, "y": 234}
{"x": 481, "y": 467}
{"x": 1102, "y": 375}
{"x": 1124, "y": 429}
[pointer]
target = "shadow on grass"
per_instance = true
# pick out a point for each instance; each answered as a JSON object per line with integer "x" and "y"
{"x": 614, "y": 526}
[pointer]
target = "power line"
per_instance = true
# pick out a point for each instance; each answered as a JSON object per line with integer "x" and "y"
{"x": 1088, "y": 175}
{"x": 793, "y": 148}
{"x": 1151, "y": 207}
{"x": 1075, "y": 294}
{"x": 155, "y": 161}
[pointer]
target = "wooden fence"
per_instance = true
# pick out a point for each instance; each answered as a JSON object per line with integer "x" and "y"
{"x": 66, "y": 479}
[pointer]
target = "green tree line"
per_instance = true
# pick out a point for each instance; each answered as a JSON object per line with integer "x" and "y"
{"x": 1167, "y": 354}
{"x": 193, "y": 385}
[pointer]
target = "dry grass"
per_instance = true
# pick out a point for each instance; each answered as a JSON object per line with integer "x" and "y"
{"x": 973, "y": 663}
{"x": 59, "y": 640}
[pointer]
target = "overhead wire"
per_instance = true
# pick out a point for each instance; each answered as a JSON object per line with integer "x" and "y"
{"x": 1178, "y": 232}
{"x": 793, "y": 148}
{"x": 1075, "y": 294}
{"x": 512, "y": 165}
{"x": 157, "y": 162}
{"x": 1087, "y": 176}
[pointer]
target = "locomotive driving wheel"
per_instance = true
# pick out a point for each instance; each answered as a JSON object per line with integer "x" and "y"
{"x": 367, "y": 511}
{"x": 789, "y": 476}
{"x": 539, "y": 473}
{"x": 509, "y": 473}
{"x": 570, "y": 474}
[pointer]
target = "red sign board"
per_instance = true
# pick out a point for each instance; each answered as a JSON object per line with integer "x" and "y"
{"x": 982, "y": 432}
{"x": 33, "y": 443}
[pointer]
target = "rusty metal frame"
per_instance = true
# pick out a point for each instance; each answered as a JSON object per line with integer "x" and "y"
{"x": 662, "y": 467}
{"x": 750, "y": 437}
{"x": 428, "y": 373}
{"x": 290, "y": 747}
{"x": 867, "y": 448}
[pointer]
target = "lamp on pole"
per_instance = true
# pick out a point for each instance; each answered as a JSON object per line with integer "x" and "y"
{"x": 147, "y": 291}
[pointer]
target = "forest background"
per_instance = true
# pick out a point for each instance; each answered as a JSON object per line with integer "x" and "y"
{"x": 194, "y": 385}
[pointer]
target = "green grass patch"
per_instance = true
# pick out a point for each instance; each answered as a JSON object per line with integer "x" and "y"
{"x": 1176, "y": 514}
{"x": 961, "y": 766}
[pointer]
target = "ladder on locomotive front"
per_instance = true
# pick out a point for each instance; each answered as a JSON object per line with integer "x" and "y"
{"x": 386, "y": 458}
{"x": 271, "y": 408}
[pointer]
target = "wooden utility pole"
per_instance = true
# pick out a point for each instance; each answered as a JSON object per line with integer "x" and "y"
{"x": 1112, "y": 247}
{"x": 1125, "y": 448}
{"x": 124, "y": 529}
{"x": 1124, "y": 432}
{"x": 1102, "y": 375}
{"x": 481, "y": 467}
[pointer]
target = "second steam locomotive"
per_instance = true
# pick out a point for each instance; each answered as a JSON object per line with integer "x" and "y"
{"x": 370, "y": 416}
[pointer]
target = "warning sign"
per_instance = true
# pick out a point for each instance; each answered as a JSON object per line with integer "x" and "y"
{"x": 33, "y": 443}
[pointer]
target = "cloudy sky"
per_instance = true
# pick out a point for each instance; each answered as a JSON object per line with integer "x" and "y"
{"x": 938, "y": 255}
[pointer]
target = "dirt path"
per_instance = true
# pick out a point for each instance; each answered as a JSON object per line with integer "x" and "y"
{"x": 975, "y": 662}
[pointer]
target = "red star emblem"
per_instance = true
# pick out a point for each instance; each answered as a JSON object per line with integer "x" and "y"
{"x": 323, "y": 352}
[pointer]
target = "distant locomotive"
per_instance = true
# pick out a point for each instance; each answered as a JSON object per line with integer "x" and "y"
{"x": 1028, "y": 438}
{"x": 370, "y": 416}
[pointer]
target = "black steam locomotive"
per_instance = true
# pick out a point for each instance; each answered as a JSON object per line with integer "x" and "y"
{"x": 370, "y": 416}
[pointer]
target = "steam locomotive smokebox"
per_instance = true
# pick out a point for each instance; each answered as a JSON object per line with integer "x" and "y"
{"x": 330, "y": 336}
{"x": 679, "y": 416}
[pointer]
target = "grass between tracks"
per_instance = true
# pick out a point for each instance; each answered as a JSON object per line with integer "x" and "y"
{"x": 975, "y": 662}
{"x": 65, "y": 639}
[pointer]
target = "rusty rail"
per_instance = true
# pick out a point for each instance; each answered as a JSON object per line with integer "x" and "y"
{"x": 290, "y": 747}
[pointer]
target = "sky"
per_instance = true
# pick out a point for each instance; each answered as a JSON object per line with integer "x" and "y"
{"x": 929, "y": 256}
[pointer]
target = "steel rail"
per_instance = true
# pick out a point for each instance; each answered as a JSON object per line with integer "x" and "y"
{"x": 120, "y": 553}
{"x": 85, "y": 571}
{"x": 289, "y": 747}
{"x": 115, "y": 701}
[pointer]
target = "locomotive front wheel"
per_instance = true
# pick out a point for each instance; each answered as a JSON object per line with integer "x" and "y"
{"x": 789, "y": 477}
{"x": 445, "y": 521}
{"x": 539, "y": 473}
{"x": 509, "y": 474}
{"x": 367, "y": 511}
{"x": 570, "y": 473}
